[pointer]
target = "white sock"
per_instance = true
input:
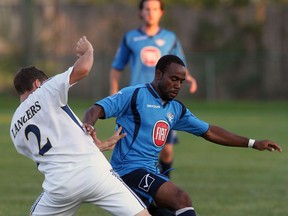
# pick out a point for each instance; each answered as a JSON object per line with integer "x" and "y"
{"x": 180, "y": 211}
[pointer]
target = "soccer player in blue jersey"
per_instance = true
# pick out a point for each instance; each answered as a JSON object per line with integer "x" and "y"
{"x": 147, "y": 112}
{"x": 142, "y": 48}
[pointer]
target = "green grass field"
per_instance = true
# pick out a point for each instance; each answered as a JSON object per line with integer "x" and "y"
{"x": 222, "y": 181}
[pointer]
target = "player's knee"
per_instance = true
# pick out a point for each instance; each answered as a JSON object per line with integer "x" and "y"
{"x": 184, "y": 200}
{"x": 181, "y": 200}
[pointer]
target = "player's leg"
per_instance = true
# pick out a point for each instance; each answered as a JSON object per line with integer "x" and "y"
{"x": 116, "y": 197}
{"x": 157, "y": 189}
{"x": 49, "y": 205}
{"x": 145, "y": 185}
{"x": 170, "y": 196}
{"x": 166, "y": 155}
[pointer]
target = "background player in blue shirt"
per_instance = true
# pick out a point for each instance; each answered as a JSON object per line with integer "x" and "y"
{"x": 142, "y": 48}
{"x": 147, "y": 113}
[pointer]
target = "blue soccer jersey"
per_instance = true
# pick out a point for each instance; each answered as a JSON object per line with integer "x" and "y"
{"x": 139, "y": 110}
{"x": 143, "y": 51}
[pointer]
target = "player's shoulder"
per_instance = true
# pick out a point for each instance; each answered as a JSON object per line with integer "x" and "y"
{"x": 132, "y": 36}
{"x": 132, "y": 88}
{"x": 125, "y": 95}
{"x": 133, "y": 33}
{"x": 167, "y": 32}
{"x": 180, "y": 106}
{"x": 176, "y": 102}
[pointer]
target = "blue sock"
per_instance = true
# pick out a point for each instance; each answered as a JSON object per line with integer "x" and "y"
{"x": 188, "y": 211}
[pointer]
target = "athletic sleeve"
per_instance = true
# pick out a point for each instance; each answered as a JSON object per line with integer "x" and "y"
{"x": 58, "y": 86}
{"x": 122, "y": 55}
{"x": 191, "y": 124}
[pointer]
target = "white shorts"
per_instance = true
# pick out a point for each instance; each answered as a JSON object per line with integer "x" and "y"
{"x": 112, "y": 195}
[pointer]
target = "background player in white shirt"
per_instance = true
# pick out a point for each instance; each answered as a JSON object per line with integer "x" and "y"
{"x": 47, "y": 131}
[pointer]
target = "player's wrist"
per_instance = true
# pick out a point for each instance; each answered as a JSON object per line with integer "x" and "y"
{"x": 251, "y": 143}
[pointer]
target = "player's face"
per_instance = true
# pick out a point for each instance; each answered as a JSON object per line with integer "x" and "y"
{"x": 151, "y": 13}
{"x": 169, "y": 83}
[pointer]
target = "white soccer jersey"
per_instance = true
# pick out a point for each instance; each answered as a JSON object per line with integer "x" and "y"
{"x": 46, "y": 130}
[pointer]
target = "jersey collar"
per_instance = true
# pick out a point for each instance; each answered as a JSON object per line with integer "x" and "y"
{"x": 155, "y": 94}
{"x": 152, "y": 90}
{"x": 142, "y": 32}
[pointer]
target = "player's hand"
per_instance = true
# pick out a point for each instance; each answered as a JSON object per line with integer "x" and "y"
{"x": 89, "y": 129}
{"x": 267, "y": 145}
{"x": 110, "y": 143}
{"x": 193, "y": 83}
{"x": 83, "y": 46}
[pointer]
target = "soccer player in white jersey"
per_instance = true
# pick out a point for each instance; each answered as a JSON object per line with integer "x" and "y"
{"x": 47, "y": 131}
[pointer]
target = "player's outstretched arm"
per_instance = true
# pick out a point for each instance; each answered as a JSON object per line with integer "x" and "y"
{"x": 84, "y": 63}
{"x": 221, "y": 136}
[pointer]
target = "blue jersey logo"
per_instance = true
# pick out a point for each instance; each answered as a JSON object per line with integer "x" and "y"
{"x": 150, "y": 55}
{"x": 160, "y": 133}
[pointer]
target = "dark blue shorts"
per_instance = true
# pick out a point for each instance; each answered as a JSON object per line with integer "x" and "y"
{"x": 145, "y": 184}
{"x": 172, "y": 137}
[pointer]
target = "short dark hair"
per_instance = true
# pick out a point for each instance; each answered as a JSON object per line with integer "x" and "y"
{"x": 166, "y": 60}
{"x": 24, "y": 78}
{"x": 141, "y": 4}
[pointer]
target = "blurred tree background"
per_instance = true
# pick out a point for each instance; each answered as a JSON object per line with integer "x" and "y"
{"x": 237, "y": 49}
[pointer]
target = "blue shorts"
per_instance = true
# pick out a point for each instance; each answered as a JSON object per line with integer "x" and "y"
{"x": 145, "y": 184}
{"x": 172, "y": 137}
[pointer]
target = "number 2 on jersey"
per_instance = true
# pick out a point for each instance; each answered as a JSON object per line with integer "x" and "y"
{"x": 36, "y": 131}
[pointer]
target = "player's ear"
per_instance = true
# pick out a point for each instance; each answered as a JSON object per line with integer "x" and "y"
{"x": 140, "y": 14}
{"x": 158, "y": 74}
{"x": 36, "y": 83}
{"x": 162, "y": 13}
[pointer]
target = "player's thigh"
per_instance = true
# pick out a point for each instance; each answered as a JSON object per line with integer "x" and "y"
{"x": 49, "y": 205}
{"x": 169, "y": 195}
{"x": 116, "y": 197}
{"x": 145, "y": 184}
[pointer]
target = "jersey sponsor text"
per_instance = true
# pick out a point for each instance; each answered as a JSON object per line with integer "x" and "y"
{"x": 150, "y": 55}
{"x": 160, "y": 133}
{"x": 29, "y": 113}
{"x": 153, "y": 106}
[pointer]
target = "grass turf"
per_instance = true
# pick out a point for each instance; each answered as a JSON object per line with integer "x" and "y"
{"x": 221, "y": 180}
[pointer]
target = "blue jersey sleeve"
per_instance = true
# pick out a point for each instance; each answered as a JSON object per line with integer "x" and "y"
{"x": 122, "y": 56}
{"x": 115, "y": 105}
{"x": 191, "y": 124}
